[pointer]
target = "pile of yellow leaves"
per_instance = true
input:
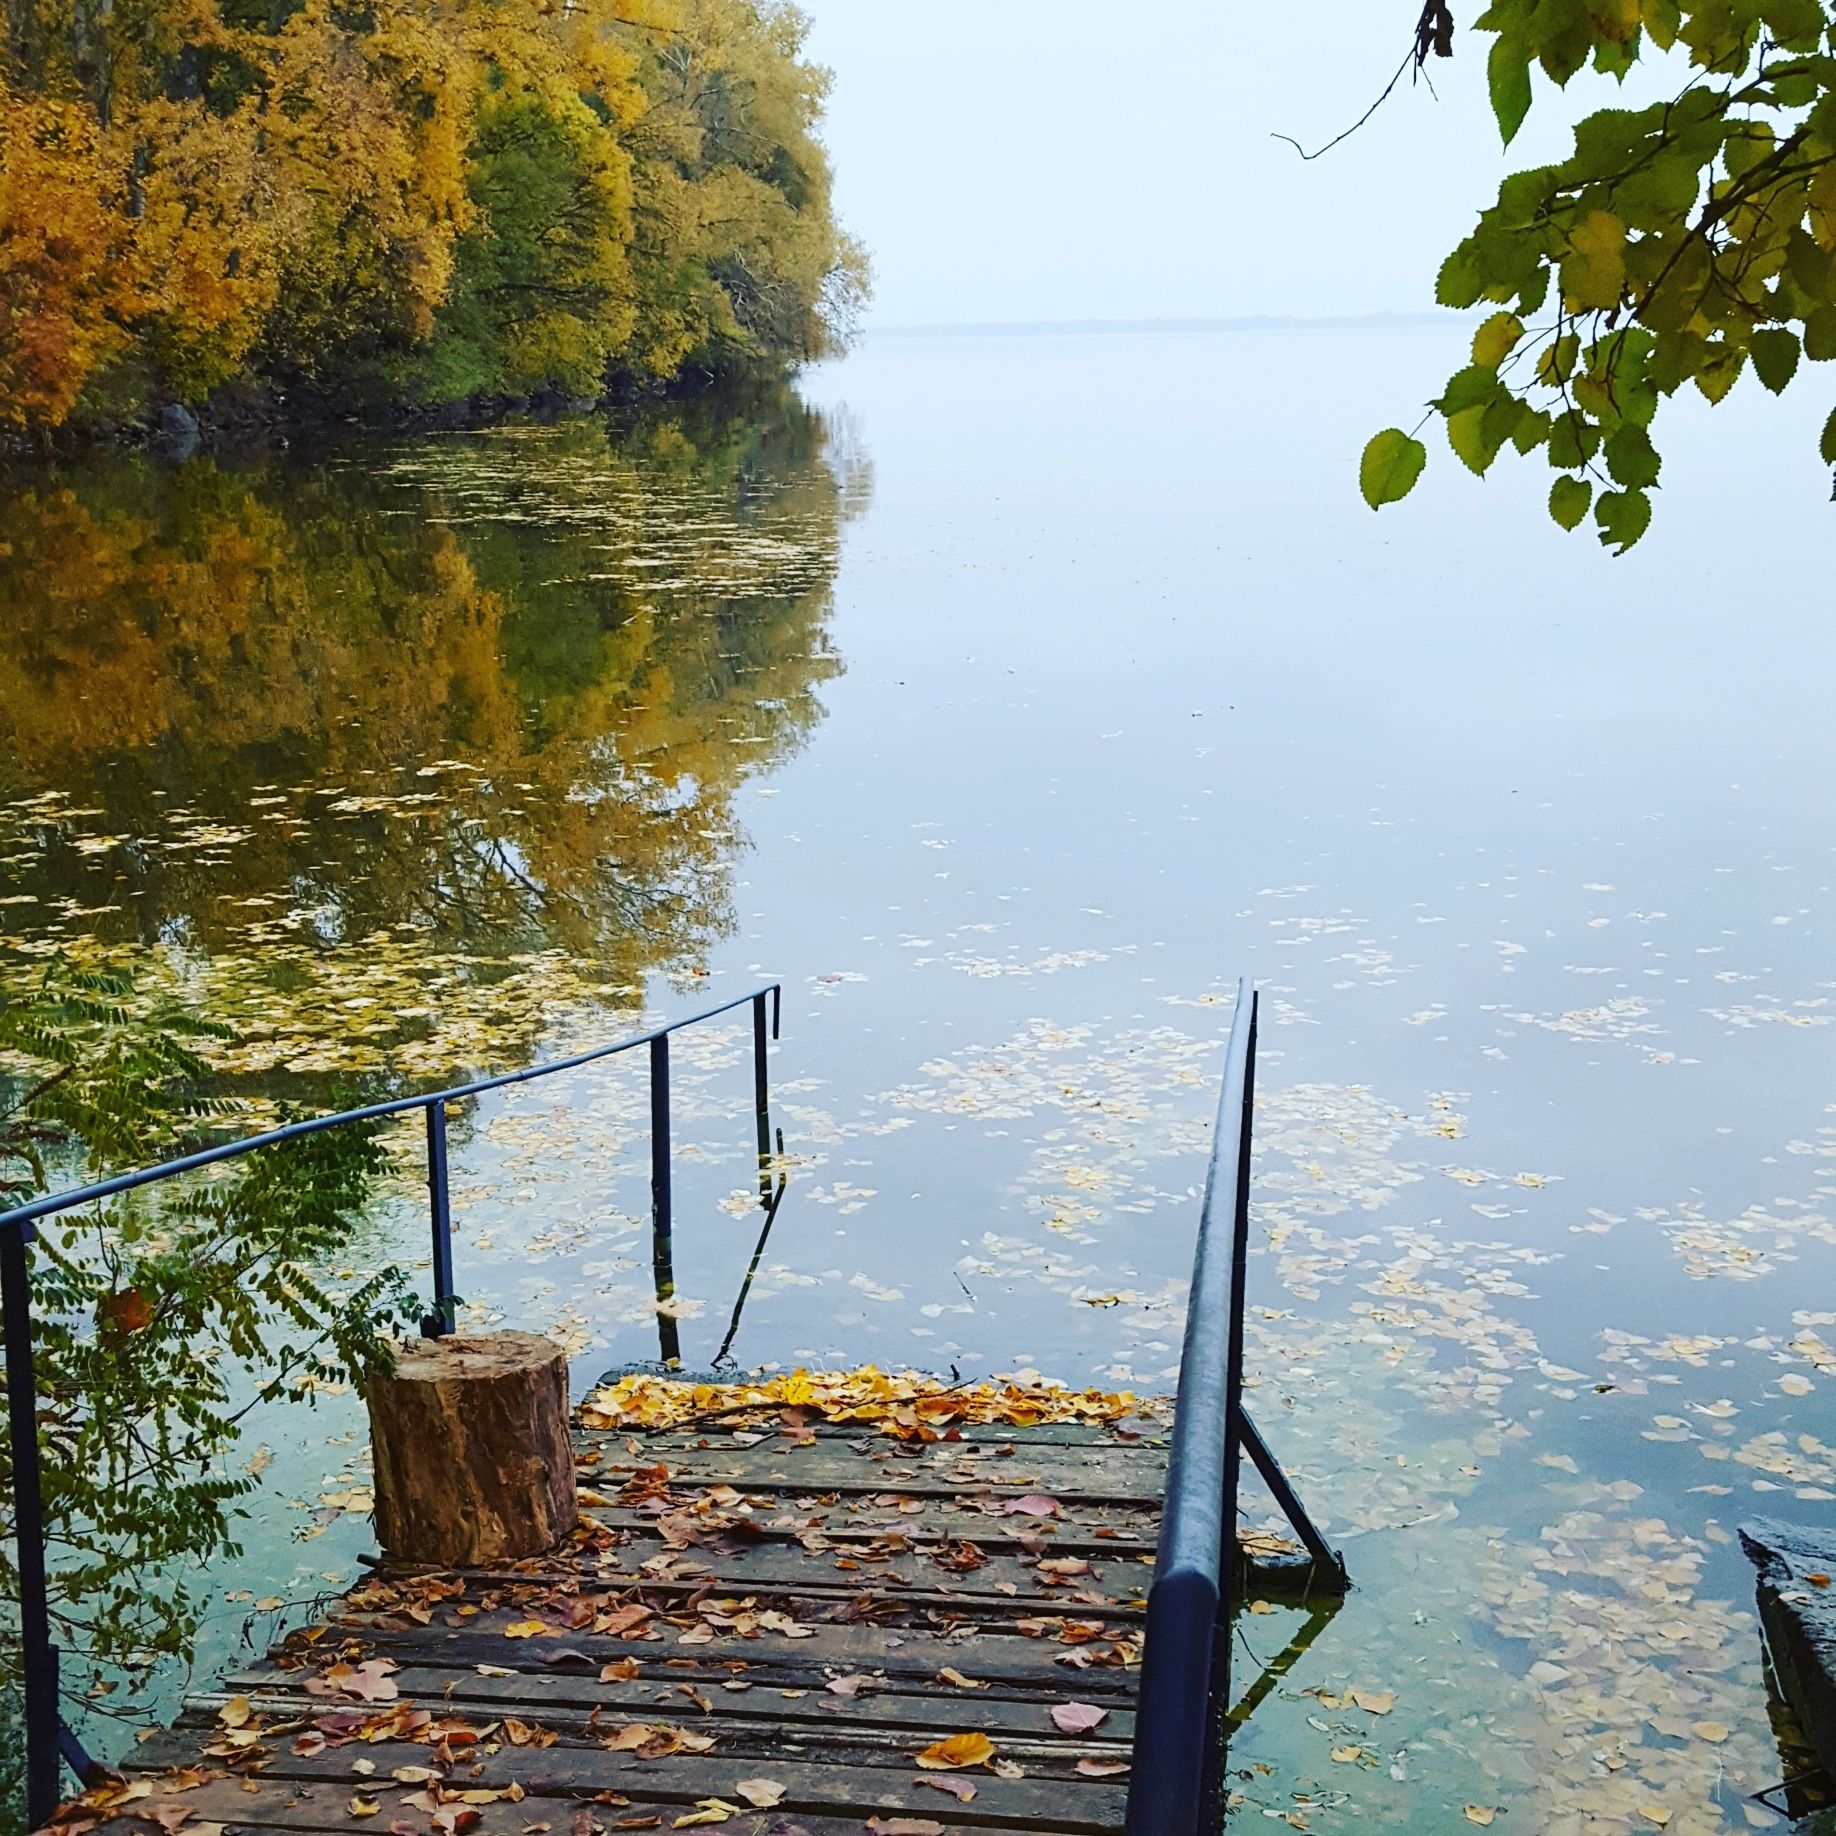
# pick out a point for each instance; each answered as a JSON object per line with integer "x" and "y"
{"x": 908, "y": 1404}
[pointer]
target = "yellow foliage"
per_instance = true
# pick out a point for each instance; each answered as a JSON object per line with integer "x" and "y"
{"x": 62, "y": 286}
{"x": 434, "y": 197}
{"x": 908, "y": 1404}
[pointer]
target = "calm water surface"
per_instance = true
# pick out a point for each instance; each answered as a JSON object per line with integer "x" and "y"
{"x": 1008, "y": 697}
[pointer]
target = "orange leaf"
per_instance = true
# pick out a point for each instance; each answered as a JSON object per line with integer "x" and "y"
{"x": 957, "y": 1751}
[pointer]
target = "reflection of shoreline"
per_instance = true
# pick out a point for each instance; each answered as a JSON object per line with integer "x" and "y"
{"x": 418, "y": 736}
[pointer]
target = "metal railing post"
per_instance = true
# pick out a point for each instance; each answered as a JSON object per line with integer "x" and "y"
{"x": 662, "y": 1205}
{"x": 445, "y": 1315}
{"x": 38, "y": 1654}
{"x": 761, "y": 1096}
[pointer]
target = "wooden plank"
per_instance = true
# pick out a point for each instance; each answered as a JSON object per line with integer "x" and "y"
{"x": 292, "y": 1804}
{"x": 1004, "y": 1584}
{"x": 836, "y": 1649}
{"x": 1118, "y": 1472}
{"x": 566, "y": 1699}
{"x": 888, "y": 1599}
{"x": 858, "y": 1779}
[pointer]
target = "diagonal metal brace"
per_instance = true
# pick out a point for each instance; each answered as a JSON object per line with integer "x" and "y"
{"x": 1327, "y": 1559}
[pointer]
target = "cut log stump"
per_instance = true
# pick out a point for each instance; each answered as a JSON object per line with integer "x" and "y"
{"x": 470, "y": 1440}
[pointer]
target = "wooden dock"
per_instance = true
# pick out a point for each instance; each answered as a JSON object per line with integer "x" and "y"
{"x": 786, "y": 1627}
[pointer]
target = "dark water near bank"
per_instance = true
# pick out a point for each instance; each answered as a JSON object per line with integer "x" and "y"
{"x": 1008, "y": 698}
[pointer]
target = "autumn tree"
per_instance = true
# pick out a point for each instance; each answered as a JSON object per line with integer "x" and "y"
{"x": 416, "y": 200}
{"x": 1680, "y": 244}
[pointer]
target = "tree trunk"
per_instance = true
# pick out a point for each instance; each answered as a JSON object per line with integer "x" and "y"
{"x": 470, "y": 1441}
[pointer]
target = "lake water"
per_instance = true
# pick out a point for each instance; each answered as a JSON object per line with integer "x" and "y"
{"x": 1007, "y": 697}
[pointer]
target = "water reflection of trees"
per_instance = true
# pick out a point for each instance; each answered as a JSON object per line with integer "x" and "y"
{"x": 498, "y": 687}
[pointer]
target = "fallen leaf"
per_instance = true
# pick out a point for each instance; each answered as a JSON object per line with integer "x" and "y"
{"x": 957, "y": 1751}
{"x": 1655, "y": 1813}
{"x": 1077, "y": 1717}
{"x": 761, "y": 1794}
{"x": 1713, "y": 1731}
{"x": 1101, "y": 1769}
{"x": 960, "y": 1789}
{"x": 957, "y": 1680}
{"x": 235, "y": 1712}
{"x": 1346, "y": 1756}
{"x": 707, "y": 1810}
{"x": 1034, "y": 1504}
{"x": 904, "y": 1826}
{"x": 524, "y": 1628}
{"x": 1375, "y": 1701}
{"x": 361, "y": 1806}
{"x": 1481, "y": 1814}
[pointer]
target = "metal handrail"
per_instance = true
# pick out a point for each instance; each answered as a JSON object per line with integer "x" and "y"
{"x": 47, "y": 1738}
{"x": 1185, "y": 1666}
{"x": 1183, "y": 1712}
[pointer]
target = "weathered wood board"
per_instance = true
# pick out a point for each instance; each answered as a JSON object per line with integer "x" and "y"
{"x": 763, "y": 1631}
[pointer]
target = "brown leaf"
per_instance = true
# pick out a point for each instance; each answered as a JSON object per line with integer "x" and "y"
{"x": 1034, "y": 1504}
{"x": 904, "y": 1826}
{"x": 1101, "y": 1769}
{"x": 235, "y": 1712}
{"x": 761, "y": 1794}
{"x": 957, "y": 1680}
{"x": 960, "y": 1789}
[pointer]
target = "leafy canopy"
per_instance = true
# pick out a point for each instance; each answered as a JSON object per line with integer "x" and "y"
{"x": 1678, "y": 245}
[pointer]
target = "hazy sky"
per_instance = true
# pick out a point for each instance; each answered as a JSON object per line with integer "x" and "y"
{"x": 1022, "y": 160}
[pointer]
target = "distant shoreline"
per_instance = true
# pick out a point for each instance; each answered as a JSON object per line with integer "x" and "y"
{"x": 1098, "y": 328}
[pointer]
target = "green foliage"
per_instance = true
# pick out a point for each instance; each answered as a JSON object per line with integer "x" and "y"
{"x": 1677, "y": 244}
{"x": 162, "y": 1317}
{"x": 1392, "y": 462}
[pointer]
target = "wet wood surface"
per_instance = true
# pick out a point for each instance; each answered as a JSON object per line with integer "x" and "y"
{"x": 770, "y": 1630}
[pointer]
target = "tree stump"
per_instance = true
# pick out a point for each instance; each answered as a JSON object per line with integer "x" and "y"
{"x": 471, "y": 1449}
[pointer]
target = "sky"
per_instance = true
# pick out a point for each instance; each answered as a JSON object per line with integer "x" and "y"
{"x": 1016, "y": 161}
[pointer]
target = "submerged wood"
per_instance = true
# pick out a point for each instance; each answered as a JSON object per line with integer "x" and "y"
{"x": 470, "y": 1439}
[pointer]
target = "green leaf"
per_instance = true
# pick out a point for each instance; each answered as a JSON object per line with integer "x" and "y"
{"x": 1466, "y": 435}
{"x": 1508, "y": 75}
{"x": 1496, "y": 339}
{"x": 1392, "y": 462}
{"x": 1459, "y": 284}
{"x": 1775, "y": 356}
{"x": 1623, "y": 517}
{"x": 1569, "y": 498}
{"x": 1631, "y": 457}
{"x": 1718, "y": 369}
{"x": 1820, "y": 334}
{"x": 1827, "y": 445}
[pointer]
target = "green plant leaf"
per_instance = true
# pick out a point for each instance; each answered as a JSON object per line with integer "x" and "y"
{"x": 1507, "y": 72}
{"x": 1631, "y": 457}
{"x": 1496, "y": 339}
{"x": 1391, "y": 464}
{"x": 1623, "y": 517}
{"x": 1569, "y": 498}
{"x": 1775, "y": 356}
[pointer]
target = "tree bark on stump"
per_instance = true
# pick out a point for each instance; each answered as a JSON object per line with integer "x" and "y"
{"x": 471, "y": 1449}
